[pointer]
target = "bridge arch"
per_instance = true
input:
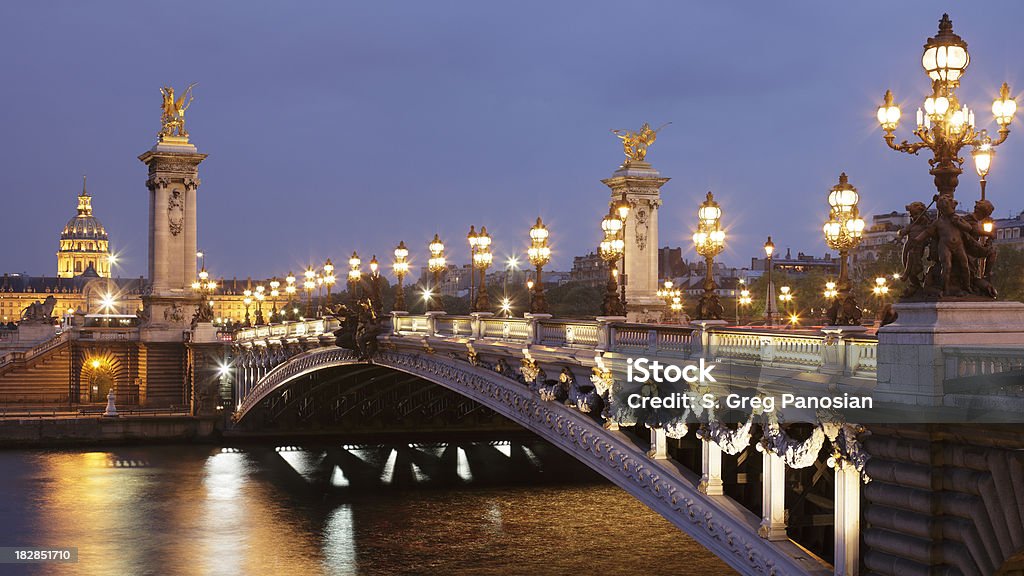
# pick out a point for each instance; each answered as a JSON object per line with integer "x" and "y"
{"x": 717, "y": 523}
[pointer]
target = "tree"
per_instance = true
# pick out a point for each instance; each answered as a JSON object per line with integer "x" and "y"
{"x": 1007, "y": 276}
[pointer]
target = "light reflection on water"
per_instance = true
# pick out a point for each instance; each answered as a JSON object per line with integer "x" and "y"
{"x": 332, "y": 510}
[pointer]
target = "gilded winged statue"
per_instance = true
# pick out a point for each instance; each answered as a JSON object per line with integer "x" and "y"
{"x": 172, "y": 116}
{"x": 635, "y": 144}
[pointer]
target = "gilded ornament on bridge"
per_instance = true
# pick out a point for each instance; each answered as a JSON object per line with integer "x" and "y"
{"x": 172, "y": 118}
{"x": 635, "y": 144}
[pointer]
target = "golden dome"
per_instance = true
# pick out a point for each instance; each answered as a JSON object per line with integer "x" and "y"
{"x": 84, "y": 226}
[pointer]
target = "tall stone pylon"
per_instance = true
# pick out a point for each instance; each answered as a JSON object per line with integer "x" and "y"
{"x": 640, "y": 184}
{"x": 173, "y": 183}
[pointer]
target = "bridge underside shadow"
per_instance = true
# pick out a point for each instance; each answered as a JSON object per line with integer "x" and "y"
{"x": 376, "y": 402}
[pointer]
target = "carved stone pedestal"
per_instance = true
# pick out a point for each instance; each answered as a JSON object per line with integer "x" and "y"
{"x": 918, "y": 352}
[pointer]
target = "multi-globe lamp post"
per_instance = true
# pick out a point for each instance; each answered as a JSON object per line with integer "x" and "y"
{"x": 355, "y": 275}
{"x": 259, "y": 296}
{"x": 204, "y": 287}
{"x": 329, "y": 278}
{"x": 290, "y": 288}
{"x": 843, "y": 232}
{"x": 274, "y": 293}
{"x": 435, "y": 265}
{"x": 247, "y": 301}
{"x": 539, "y": 254}
{"x": 401, "y": 268}
{"x": 611, "y": 249}
{"x": 709, "y": 241}
{"x": 482, "y": 259}
{"x": 673, "y": 298}
{"x": 308, "y": 285}
{"x": 944, "y": 126}
{"x": 786, "y": 297}
{"x": 376, "y": 298}
{"x": 743, "y": 300}
{"x": 622, "y": 209}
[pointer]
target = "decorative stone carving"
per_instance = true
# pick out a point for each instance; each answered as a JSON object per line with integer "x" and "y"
{"x": 175, "y": 212}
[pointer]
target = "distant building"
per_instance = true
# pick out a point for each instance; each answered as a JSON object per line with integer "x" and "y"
{"x": 880, "y": 235}
{"x": 801, "y": 264}
{"x": 1010, "y": 232}
{"x": 83, "y": 243}
{"x": 671, "y": 263}
{"x": 590, "y": 270}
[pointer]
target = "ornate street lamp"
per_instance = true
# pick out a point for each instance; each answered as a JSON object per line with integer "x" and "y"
{"x": 274, "y": 285}
{"x": 247, "y": 300}
{"x": 308, "y": 285}
{"x": 709, "y": 240}
{"x": 401, "y": 268}
{"x": 375, "y": 295}
{"x": 945, "y": 127}
{"x": 539, "y": 254}
{"x": 355, "y": 275}
{"x": 482, "y": 260}
{"x": 436, "y": 264}
{"x": 290, "y": 288}
{"x": 474, "y": 239}
{"x": 673, "y": 298}
{"x": 329, "y": 278}
{"x": 259, "y": 303}
{"x": 622, "y": 209}
{"x": 786, "y": 297}
{"x": 611, "y": 249}
{"x": 769, "y": 249}
{"x": 843, "y": 232}
{"x": 743, "y": 300}
{"x": 204, "y": 288}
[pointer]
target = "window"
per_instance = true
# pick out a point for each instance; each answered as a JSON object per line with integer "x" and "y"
{"x": 78, "y": 266}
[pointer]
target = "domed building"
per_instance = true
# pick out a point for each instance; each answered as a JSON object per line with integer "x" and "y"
{"x": 83, "y": 243}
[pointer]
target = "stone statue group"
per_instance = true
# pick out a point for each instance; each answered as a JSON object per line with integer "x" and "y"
{"x": 39, "y": 311}
{"x": 948, "y": 255}
{"x": 359, "y": 327}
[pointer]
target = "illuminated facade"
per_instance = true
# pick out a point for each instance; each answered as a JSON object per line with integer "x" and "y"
{"x": 83, "y": 243}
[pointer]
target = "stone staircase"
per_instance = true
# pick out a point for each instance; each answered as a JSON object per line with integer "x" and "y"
{"x": 38, "y": 376}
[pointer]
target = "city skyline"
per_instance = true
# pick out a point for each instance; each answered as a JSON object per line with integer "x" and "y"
{"x": 311, "y": 122}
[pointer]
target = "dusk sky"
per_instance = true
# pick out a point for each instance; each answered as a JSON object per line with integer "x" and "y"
{"x": 350, "y": 126}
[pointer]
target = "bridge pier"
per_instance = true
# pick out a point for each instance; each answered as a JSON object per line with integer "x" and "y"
{"x": 847, "y": 519}
{"x": 711, "y": 468}
{"x": 773, "y": 497}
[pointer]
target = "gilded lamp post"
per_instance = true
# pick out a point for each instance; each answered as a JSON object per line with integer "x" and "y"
{"x": 539, "y": 254}
{"x": 274, "y": 293}
{"x": 204, "y": 288}
{"x": 259, "y": 296}
{"x": 843, "y": 232}
{"x": 290, "y": 290}
{"x": 482, "y": 259}
{"x": 945, "y": 126}
{"x": 709, "y": 240}
{"x": 436, "y": 264}
{"x": 329, "y": 278}
{"x": 611, "y": 249}
{"x": 354, "y": 276}
{"x": 376, "y": 298}
{"x": 309, "y": 284}
{"x": 673, "y": 298}
{"x": 401, "y": 268}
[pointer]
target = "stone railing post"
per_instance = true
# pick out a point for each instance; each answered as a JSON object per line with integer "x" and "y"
{"x": 533, "y": 328}
{"x": 605, "y": 338}
{"x": 711, "y": 468}
{"x": 773, "y": 497}
{"x": 476, "y": 325}
{"x": 396, "y": 321}
{"x": 847, "y": 519}
{"x": 835, "y": 353}
{"x": 652, "y": 343}
{"x": 432, "y": 321}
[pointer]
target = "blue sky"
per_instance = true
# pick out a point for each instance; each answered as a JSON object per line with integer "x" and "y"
{"x": 334, "y": 127}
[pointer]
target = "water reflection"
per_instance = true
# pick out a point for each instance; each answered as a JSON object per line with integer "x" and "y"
{"x": 471, "y": 508}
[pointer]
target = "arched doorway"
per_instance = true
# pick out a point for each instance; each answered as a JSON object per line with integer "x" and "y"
{"x": 98, "y": 379}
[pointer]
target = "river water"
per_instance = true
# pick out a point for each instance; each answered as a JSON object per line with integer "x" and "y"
{"x": 472, "y": 508}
